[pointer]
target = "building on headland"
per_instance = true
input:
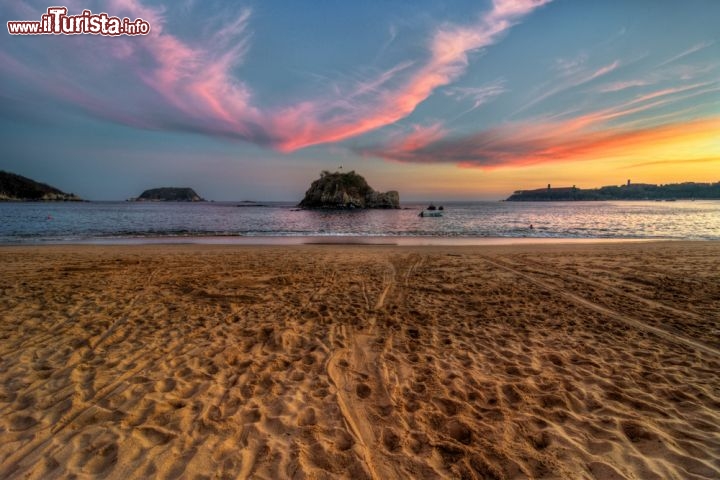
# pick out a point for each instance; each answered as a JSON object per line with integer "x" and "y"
{"x": 634, "y": 185}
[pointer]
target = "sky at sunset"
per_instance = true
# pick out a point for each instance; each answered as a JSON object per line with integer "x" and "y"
{"x": 442, "y": 100}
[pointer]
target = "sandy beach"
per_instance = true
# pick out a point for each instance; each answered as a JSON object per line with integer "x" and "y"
{"x": 593, "y": 361}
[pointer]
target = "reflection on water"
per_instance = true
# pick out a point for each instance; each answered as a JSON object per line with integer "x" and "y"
{"x": 23, "y": 222}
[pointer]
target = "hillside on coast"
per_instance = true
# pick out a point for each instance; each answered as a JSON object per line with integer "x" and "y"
{"x": 15, "y": 187}
{"x": 630, "y": 191}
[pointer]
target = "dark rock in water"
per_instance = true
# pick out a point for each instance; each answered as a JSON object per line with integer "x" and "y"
{"x": 170, "y": 194}
{"x": 346, "y": 190}
{"x": 18, "y": 188}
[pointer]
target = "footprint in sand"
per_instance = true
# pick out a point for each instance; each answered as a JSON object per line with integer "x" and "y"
{"x": 101, "y": 458}
{"x": 419, "y": 387}
{"x": 155, "y": 436}
{"x": 540, "y": 441}
{"x": 166, "y": 385}
{"x": 308, "y": 417}
{"x": 24, "y": 401}
{"x": 636, "y": 432}
{"x": 343, "y": 440}
{"x": 457, "y": 430}
{"x": 362, "y": 390}
{"x": 390, "y": 440}
{"x": 20, "y": 423}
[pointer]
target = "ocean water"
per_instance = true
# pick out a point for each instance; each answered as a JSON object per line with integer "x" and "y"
{"x": 225, "y": 221}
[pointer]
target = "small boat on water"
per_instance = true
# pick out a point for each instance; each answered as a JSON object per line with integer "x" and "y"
{"x": 432, "y": 211}
{"x": 435, "y": 213}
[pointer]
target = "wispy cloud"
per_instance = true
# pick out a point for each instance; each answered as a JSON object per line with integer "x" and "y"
{"x": 623, "y": 85}
{"x": 641, "y": 103}
{"x": 668, "y": 91}
{"x": 687, "y": 72}
{"x": 571, "y": 66}
{"x": 599, "y": 72}
{"x": 713, "y": 159}
{"x": 392, "y": 35}
{"x": 202, "y": 92}
{"x": 679, "y": 72}
{"x": 573, "y": 73}
{"x": 685, "y": 53}
{"x": 478, "y": 95}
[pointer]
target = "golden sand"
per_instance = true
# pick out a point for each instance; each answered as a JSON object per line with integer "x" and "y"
{"x": 549, "y": 361}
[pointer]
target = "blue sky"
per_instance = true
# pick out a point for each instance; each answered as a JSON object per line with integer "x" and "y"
{"x": 442, "y": 100}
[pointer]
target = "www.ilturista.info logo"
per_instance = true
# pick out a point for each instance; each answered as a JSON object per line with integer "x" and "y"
{"x": 57, "y": 22}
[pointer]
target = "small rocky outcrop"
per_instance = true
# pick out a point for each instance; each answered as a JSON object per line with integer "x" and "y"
{"x": 170, "y": 194}
{"x": 15, "y": 187}
{"x": 344, "y": 191}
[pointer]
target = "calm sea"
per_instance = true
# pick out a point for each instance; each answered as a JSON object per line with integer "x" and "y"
{"x": 226, "y": 221}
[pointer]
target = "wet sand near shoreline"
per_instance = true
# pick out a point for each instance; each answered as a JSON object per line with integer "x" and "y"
{"x": 344, "y": 361}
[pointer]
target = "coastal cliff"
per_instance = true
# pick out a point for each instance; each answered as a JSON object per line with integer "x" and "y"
{"x": 15, "y": 187}
{"x": 346, "y": 190}
{"x": 170, "y": 194}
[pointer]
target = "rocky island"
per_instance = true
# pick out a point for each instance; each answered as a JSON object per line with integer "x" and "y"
{"x": 169, "y": 194}
{"x": 344, "y": 191}
{"x": 17, "y": 188}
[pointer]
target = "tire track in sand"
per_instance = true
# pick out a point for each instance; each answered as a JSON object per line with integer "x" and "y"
{"x": 361, "y": 359}
{"x": 353, "y": 410}
{"x": 562, "y": 275}
{"x": 672, "y": 337}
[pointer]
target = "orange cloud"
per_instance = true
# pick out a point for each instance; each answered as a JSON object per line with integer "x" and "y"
{"x": 533, "y": 144}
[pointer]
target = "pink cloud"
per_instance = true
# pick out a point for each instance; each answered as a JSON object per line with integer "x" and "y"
{"x": 515, "y": 8}
{"x": 449, "y": 49}
{"x": 199, "y": 89}
{"x": 418, "y": 138}
{"x": 195, "y": 79}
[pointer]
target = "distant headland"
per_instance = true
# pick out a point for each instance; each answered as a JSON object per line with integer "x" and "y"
{"x": 17, "y": 188}
{"x": 345, "y": 191}
{"x": 169, "y": 194}
{"x": 629, "y": 191}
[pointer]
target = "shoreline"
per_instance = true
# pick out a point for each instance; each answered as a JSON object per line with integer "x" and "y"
{"x": 340, "y": 240}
